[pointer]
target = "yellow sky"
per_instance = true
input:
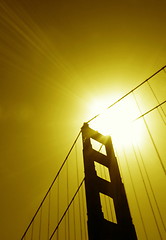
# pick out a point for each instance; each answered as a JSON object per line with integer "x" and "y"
{"x": 56, "y": 57}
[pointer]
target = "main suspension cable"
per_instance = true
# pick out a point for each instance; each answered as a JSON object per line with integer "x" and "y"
{"x": 151, "y": 137}
{"x": 163, "y": 68}
{"x": 51, "y": 185}
{"x": 67, "y": 209}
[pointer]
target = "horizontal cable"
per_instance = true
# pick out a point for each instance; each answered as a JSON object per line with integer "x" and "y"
{"x": 128, "y": 93}
{"x": 149, "y": 111}
{"x": 51, "y": 185}
{"x": 67, "y": 209}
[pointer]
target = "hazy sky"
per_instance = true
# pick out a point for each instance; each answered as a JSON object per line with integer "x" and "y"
{"x": 56, "y": 58}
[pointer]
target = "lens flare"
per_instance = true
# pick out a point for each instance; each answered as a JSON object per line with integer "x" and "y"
{"x": 118, "y": 122}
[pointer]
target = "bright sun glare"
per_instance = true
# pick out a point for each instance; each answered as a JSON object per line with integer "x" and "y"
{"x": 118, "y": 121}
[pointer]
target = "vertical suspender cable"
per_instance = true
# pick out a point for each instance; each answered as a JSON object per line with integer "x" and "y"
{"x": 139, "y": 209}
{"x": 151, "y": 188}
{"x": 66, "y": 227}
{"x": 147, "y": 192}
{"x": 158, "y": 103}
{"x": 49, "y": 205}
{"x": 58, "y": 207}
{"x": 64, "y": 214}
{"x": 68, "y": 222}
{"x": 74, "y": 221}
{"x": 51, "y": 186}
{"x": 161, "y": 162}
{"x": 40, "y": 223}
{"x": 78, "y": 192}
{"x": 84, "y": 211}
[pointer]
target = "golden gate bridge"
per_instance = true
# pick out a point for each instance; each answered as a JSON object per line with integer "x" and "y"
{"x": 139, "y": 148}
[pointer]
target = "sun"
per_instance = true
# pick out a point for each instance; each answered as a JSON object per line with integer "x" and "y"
{"x": 117, "y": 121}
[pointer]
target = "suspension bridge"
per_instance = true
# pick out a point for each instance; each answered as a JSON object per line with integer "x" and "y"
{"x": 136, "y": 123}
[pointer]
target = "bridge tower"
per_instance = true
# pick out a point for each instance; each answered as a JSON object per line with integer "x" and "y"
{"x": 100, "y": 228}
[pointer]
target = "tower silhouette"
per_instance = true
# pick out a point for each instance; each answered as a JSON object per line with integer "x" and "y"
{"x": 100, "y": 228}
